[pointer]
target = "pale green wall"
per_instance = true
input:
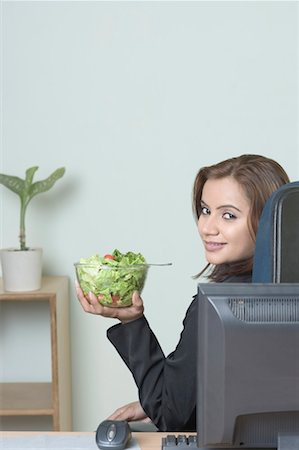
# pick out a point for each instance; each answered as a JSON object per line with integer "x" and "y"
{"x": 133, "y": 98}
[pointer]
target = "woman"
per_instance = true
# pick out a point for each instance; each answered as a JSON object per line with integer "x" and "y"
{"x": 228, "y": 199}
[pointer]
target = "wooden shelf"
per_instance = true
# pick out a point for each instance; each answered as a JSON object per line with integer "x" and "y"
{"x": 52, "y": 398}
{"x": 26, "y": 399}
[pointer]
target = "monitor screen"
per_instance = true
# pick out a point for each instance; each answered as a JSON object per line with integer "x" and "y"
{"x": 248, "y": 364}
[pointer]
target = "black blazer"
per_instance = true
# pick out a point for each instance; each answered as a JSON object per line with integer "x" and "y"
{"x": 167, "y": 385}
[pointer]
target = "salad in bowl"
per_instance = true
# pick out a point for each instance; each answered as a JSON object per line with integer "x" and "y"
{"x": 113, "y": 277}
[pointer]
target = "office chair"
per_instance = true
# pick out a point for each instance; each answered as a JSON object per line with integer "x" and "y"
{"x": 276, "y": 256}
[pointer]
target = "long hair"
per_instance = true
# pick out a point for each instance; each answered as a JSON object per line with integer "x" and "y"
{"x": 259, "y": 177}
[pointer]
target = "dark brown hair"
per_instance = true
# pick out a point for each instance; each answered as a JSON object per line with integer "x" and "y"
{"x": 259, "y": 177}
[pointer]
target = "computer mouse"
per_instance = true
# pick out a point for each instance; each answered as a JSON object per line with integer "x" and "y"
{"x": 113, "y": 434}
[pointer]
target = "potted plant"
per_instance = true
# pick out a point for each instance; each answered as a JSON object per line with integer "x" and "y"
{"x": 22, "y": 267}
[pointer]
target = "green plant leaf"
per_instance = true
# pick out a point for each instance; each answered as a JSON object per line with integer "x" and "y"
{"x": 44, "y": 185}
{"x": 15, "y": 184}
{"x": 26, "y": 189}
{"x": 29, "y": 176}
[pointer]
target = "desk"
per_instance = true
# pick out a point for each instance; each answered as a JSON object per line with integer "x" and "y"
{"x": 13, "y": 440}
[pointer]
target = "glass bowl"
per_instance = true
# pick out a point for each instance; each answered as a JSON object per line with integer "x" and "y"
{"x": 114, "y": 284}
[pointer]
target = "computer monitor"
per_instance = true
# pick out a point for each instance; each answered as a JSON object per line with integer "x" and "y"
{"x": 248, "y": 364}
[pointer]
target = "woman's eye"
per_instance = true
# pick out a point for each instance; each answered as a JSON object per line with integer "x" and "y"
{"x": 228, "y": 216}
{"x": 205, "y": 210}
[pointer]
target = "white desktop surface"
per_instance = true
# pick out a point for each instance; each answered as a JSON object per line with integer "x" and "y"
{"x": 12, "y": 440}
{"x": 48, "y": 441}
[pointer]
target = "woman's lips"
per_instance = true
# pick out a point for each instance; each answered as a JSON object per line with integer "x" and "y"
{"x": 213, "y": 246}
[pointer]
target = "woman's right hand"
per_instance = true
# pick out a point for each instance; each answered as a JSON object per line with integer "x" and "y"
{"x": 130, "y": 412}
{"x": 90, "y": 303}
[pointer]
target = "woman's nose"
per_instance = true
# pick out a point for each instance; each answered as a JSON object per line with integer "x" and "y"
{"x": 208, "y": 225}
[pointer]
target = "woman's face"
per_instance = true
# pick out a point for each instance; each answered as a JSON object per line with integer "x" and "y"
{"x": 223, "y": 222}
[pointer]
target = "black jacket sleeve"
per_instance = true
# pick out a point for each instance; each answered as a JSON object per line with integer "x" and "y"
{"x": 167, "y": 385}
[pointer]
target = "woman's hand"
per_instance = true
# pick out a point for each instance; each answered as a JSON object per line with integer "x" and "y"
{"x": 130, "y": 412}
{"x": 90, "y": 303}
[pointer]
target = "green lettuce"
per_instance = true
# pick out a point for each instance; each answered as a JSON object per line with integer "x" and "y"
{"x": 115, "y": 279}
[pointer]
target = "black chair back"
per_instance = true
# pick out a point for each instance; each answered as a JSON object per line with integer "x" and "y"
{"x": 276, "y": 257}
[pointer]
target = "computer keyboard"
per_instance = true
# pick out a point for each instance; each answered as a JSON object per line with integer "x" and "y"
{"x": 179, "y": 442}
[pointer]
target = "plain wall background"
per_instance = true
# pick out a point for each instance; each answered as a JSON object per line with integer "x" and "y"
{"x": 133, "y": 98}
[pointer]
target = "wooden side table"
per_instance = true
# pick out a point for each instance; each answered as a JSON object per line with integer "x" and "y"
{"x": 52, "y": 398}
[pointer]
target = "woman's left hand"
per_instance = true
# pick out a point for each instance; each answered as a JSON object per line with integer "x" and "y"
{"x": 90, "y": 303}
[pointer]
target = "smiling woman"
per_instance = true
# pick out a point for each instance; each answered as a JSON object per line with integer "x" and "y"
{"x": 228, "y": 199}
{"x": 223, "y": 222}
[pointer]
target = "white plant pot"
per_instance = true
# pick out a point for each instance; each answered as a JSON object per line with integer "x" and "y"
{"x": 21, "y": 269}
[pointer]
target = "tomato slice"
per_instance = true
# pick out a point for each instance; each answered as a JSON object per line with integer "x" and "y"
{"x": 108, "y": 256}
